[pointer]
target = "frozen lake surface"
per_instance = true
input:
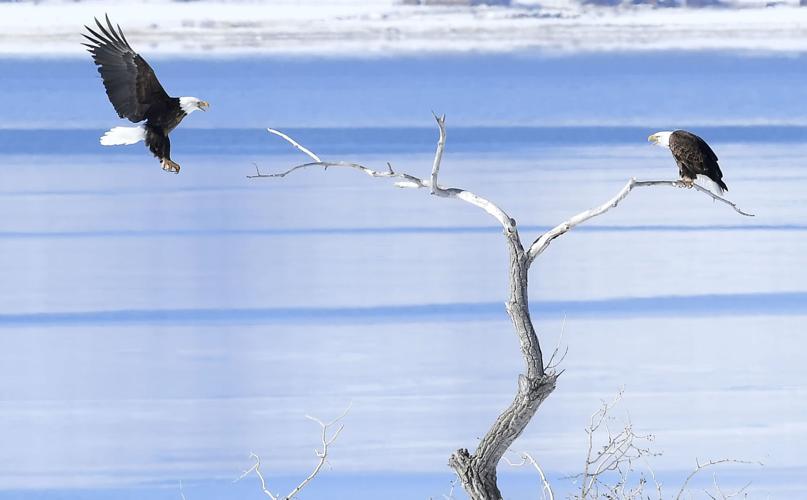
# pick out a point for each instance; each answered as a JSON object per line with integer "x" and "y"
{"x": 157, "y": 328}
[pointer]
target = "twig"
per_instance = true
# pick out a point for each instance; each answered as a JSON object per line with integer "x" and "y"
{"x": 326, "y": 442}
{"x": 617, "y": 455}
{"x": 438, "y": 156}
{"x": 655, "y": 481}
{"x": 181, "y": 492}
{"x": 699, "y": 467}
{"x": 730, "y": 495}
{"x": 546, "y": 488}
{"x": 551, "y": 364}
{"x": 294, "y": 143}
{"x": 257, "y": 468}
{"x": 450, "y": 495}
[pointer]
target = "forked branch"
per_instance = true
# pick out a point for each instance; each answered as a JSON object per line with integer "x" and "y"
{"x": 404, "y": 180}
{"x": 327, "y": 439}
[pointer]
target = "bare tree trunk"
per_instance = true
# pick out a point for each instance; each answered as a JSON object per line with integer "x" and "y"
{"x": 477, "y": 472}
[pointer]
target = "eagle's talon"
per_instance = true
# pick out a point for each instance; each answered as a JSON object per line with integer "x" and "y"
{"x": 170, "y": 166}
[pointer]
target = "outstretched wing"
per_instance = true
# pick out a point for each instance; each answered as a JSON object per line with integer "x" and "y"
{"x": 130, "y": 82}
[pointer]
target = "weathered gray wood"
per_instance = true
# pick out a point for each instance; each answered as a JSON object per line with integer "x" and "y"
{"x": 477, "y": 472}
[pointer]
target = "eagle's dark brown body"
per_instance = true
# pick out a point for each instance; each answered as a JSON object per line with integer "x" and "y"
{"x": 694, "y": 157}
{"x": 160, "y": 121}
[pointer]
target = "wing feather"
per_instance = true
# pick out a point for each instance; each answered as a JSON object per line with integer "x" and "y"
{"x": 130, "y": 83}
{"x": 689, "y": 149}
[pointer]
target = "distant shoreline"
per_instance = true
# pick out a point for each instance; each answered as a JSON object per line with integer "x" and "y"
{"x": 380, "y": 28}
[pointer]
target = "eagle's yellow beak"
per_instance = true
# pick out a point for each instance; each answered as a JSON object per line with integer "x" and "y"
{"x": 653, "y": 138}
{"x": 203, "y": 105}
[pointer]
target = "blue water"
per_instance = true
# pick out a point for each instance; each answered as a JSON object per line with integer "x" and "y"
{"x": 157, "y": 328}
{"x": 662, "y": 90}
{"x": 792, "y": 303}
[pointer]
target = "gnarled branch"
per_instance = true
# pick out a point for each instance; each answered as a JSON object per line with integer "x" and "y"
{"x": 406, "y": 180}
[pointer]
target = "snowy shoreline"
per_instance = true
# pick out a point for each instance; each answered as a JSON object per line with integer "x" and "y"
{"x": 382, "y": 27}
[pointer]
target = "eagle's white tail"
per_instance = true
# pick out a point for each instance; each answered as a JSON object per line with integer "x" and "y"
{"x": 123, "y": 135}
{"x": 709, "y": 184}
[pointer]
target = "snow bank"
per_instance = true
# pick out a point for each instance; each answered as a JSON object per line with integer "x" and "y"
{"x": 385, "y": 27}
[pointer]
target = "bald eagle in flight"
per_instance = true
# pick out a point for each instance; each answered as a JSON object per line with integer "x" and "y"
{"x": 694, "y": 157}
{"x": 136, "y": 94}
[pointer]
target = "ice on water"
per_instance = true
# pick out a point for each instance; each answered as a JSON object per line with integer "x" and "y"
{"x": 156, "y": 328}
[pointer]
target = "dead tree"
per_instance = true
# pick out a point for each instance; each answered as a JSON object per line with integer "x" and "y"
{"x": 477, "y": 470}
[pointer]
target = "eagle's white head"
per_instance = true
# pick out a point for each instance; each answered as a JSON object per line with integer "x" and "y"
{"x": 661, "y": 139}
{"x": 191, "y": 104}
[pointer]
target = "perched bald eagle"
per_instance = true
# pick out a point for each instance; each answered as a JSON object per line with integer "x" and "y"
{"x": 694, "y": 157}
{"x": 136, "y": 94}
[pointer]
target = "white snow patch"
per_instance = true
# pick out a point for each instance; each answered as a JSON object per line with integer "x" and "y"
{"x": 385, "y": 27}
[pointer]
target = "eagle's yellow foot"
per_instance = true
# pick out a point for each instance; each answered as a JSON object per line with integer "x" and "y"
{"x": 686, "y": 183}
{"x": 170, "y": 166}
